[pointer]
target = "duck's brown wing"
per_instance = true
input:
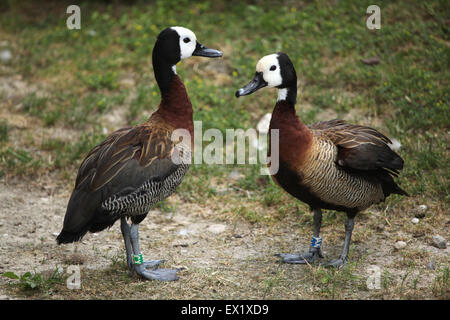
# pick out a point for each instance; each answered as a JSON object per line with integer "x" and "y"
{"x": 105, "y": 161}
{"x": 118, "y": 166}
{"x": 359, "y": 147}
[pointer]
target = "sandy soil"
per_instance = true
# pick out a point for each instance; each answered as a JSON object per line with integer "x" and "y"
{"x": 31, "y": 216}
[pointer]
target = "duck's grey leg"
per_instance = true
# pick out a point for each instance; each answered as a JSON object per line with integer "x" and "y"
{"x": 314, "y": 252}
{"x": 140, "y": 266}
{"x": 342, "y": 260}
{"x": 125, "y": 228}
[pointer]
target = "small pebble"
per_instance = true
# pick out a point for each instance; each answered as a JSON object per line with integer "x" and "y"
{"x": 439, "y": 242}
{"x": 431, "y": 265}
{"x": 45, "y": 200}
{"x": 419, "y": 215}
{"x": 371, "y": 61}
{"x": 400, "y": 245}
{"x": 421, "y": 211}
{"x": 415, "y": 220}
{"x": 418, "y": 234}
{"x": 5, "y": 55}
{"x": 217, "y": 228}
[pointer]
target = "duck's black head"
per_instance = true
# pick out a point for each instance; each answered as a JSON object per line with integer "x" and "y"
{"x": 274, "y": 70}
{"x": 177, "y": 43}
{"x": 173, "y": 45}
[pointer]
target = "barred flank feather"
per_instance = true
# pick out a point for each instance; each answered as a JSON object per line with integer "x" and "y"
{"x": 334, "y": 164}
{"x": 335, "y": 185}
{"x": 144, "y": 198}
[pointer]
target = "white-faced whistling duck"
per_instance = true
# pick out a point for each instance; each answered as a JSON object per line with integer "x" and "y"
{"x": 132, "y": 170}
{"x": 328, "y": 165}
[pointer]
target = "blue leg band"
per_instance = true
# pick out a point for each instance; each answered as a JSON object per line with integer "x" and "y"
{"x": 316, "y": 242}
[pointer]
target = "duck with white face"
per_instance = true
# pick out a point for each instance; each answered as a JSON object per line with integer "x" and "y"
{"x": 328, "y": 165}
{"x": 274, "y": 71}
{"x": 173, "y": 45}
{"x": 189, "y": 46}
{"x": 132, "y": 170}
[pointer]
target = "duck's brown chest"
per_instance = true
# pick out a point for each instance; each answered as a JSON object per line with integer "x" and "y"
{"x": 320, "y": 182}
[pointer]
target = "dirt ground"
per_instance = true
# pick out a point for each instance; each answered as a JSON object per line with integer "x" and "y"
{"x": 235, "y": 255}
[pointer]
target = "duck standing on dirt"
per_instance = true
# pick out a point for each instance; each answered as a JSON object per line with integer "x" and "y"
{"x": 328, "y": 165}
{"x": 133, "y": 168}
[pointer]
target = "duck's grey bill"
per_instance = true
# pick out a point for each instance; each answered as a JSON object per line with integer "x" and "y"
{"x": 254, "y": 85}
{"x": 202, "y": 51}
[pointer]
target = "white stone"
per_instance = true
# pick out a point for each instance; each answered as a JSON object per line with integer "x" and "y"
{"x": 400, "y": 245}
{"x": 5, "y": 55}
{"x": 217, "y": 228}
{"x": 423, "y": 207}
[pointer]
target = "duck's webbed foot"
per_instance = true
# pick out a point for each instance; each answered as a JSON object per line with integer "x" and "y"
{"x": 152, "y": 264}
{"x": 149, "y": 270}
{"x": 336, "y": 263}
{"x": 309, "y": 257}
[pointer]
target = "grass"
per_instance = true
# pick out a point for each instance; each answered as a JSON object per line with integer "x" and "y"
{"x": 31, "y": 283}
{"x": 4, "y": 128}
{"x": 441, "y": 283}
{"x": 78, "y": 80}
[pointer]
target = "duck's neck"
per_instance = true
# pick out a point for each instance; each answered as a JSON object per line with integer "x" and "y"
{"x": 288, "y": 94}
{"x": 175, "y": 107}
{"x": 284, "y": 115}
{"x": 164, "y": 73}
{"x": 294, "y": 136}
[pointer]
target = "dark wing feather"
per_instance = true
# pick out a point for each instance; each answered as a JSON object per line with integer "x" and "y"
{"x": 108, "y": 159}
{"x": 360, "y": 147}
{"x": 120, "y": 164}
{"x": 89, "y": 164}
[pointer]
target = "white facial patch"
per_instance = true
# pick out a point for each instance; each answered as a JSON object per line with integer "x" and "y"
{"x": 186, "y": 48}
{"x": 282, "y": 94}
{"x": 270, "y": 68}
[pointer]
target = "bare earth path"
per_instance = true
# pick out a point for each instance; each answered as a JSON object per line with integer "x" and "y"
{"x": 220, "y": 260}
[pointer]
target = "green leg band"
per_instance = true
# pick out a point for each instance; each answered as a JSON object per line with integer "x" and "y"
{"x": 138, "y": 259}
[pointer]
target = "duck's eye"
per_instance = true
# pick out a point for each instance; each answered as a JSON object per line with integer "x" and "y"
{"x": 186, "y": 40}
{"x": 272, "y": 68}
